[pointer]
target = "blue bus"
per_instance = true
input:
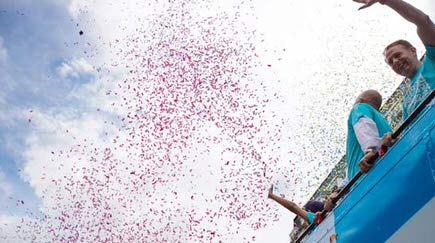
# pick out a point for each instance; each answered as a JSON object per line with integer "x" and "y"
{"x": 395, "y": 201}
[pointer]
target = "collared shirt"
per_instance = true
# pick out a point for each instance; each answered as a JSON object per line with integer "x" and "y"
{"x": 366, "y": 128}
{"x": 421, "y": 85}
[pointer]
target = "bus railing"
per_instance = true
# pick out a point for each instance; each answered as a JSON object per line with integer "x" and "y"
{"x": 343, "y": 192}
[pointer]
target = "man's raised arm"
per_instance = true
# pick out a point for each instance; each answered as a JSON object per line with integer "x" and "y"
{"x": 425, "y": 27}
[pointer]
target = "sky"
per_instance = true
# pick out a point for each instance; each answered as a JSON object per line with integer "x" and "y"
{"x": 150, "y": 121}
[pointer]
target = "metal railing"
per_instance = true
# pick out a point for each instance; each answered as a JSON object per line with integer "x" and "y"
{"x": 347, "y": 188}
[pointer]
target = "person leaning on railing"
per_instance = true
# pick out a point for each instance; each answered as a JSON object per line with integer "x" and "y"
{"x": 401, "y": 56}
{"x": 308, "y": 212}
{"x": 366, "y": 129}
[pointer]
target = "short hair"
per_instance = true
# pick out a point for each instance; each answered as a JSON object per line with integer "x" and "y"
{"x": 371, "y": 97}
{"x": 314, "y": 206}
{"x": 398, "y": 42}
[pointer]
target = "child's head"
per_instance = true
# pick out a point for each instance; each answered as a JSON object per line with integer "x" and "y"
{"x": 314, "y": 206}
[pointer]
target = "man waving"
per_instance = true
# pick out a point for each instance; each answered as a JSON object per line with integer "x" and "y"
{"x": 401, "y": 56}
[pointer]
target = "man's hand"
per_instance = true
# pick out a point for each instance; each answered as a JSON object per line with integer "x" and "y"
{"x": 367, "y": 162}
{"x": 318, "y": 218}
{"x": 329, "y": 205}
{"x": 387, "y": 142}
{"x": 269, "y": 195}
{"x": 367, "y": 3}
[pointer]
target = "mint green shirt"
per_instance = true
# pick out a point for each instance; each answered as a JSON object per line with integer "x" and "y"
{"x": 422, "y": 84}
{"x": 354, "y": 153}
{"x": 311, "y": 217}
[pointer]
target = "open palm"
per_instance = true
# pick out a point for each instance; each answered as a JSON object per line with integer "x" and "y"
{"x": 367, "y": 3}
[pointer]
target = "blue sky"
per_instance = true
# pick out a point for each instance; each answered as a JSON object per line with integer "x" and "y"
{"x": 38, "y": 37}
{"x": 36, "y": 34}
{"x": 51, "y": 75}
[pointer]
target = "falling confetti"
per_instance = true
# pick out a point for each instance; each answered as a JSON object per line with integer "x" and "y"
{"x": 186, "y": 95}
{"x": 183, "y": 135}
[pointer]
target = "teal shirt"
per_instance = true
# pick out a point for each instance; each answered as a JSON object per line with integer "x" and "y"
{"x": 311, "y": 217}
{"x": 422, "y": 84}
{"x": 354, "y": 153}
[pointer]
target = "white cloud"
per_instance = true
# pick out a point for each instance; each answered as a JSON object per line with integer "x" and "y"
{"x": 8, "y": 228}
{"x": 76, "y": 7}
{"x": 64, "y": 70}
{"x": 6, "y": 188}
{"x": 186, "y": 177}
{"x": 63, "y": 140}
{"x": 3, "y": 50}
{"x": 15, "y": 229}
{"x": 75, "y": 68}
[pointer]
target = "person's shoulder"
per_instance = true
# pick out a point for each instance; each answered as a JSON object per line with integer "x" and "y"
{"x": 362, "y": 107}
{"x": 358, "y": 111}
{"x": 311, "y": 217}
{"x": 362, "y": 110}
{"x": 430, "y": 53}
{"x": 430, "y": 48}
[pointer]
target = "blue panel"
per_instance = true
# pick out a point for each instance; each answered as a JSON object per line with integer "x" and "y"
{"x": 400, "y": 184}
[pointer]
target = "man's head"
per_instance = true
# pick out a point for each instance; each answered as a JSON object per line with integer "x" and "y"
{"x": 402, "y": 58}
{"x": 371, "y": 97}
{"x": 314, "y": 206}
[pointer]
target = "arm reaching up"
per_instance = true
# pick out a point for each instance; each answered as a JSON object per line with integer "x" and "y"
{"x": 289, "y": 205}
{"x": 425, "y": 27}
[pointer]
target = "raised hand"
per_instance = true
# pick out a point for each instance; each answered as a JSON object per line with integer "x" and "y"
{"x": 388, "y": 140}
{"x": 367, "y": 3}
{"x": 367, "y": 162}
{"x": 329, "y": 205}
{"x": 269, "y": 195}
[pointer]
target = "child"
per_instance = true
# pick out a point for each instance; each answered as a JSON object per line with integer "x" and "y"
{"x": 308, "y": 214}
